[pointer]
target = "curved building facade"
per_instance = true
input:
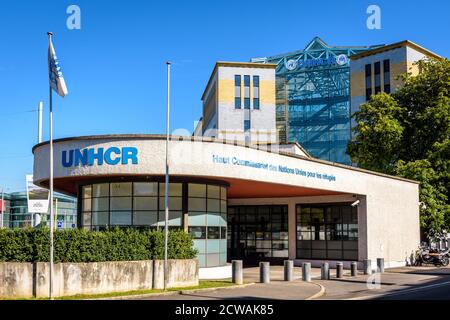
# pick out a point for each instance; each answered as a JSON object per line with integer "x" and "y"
{"x": 237, "y": 201}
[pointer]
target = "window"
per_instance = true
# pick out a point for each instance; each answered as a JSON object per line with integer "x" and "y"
{"x": 327, "y": 232}
{"x": 387, "y": 76}
{"x": 237, "y": 91}
{"x": 368, "y": 81}
{"x": 207, "y": 216}
{"x": 246, "y": 125}
{"x": 255, "y": 92}
{"x": 257, "y": 232}
{"x": 377, "y": 72}
{"x": 246, "y": 92}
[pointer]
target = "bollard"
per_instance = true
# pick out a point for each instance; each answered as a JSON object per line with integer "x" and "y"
{"x": 367, "y": 266}
{"x": 306, "y": 271}
{"x": 264, "y": 272}
{"x": 339, "y": 269}
{"x": 325, "y": 271}
{"x": 288, "y": 270}
{"x": 237, "y": 275}
{"x": 354, "y": 268}
{"x": 380, "y": 265}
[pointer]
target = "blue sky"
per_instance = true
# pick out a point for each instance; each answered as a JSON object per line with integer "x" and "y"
{"x": 114, "y": 66}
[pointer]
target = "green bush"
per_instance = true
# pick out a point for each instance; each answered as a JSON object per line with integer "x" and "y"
{"x": 78, "y": 245}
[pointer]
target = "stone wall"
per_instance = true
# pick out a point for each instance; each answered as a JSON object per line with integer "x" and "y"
{"x": 25, "y": 280}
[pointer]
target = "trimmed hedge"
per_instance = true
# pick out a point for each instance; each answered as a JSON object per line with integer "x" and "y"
{"x": 79, "y": 245}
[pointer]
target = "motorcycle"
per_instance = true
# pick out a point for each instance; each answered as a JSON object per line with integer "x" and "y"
{"x": 428, "y": 256}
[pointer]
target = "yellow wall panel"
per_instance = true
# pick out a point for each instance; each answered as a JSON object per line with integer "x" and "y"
{"x": 396, "y": 70}
{"x": 226, "y": 90}
{"x": 358, "y": 84}
{"x": 267, "y": 91}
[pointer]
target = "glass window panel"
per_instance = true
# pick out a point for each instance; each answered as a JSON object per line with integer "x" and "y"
{"x": 120, "y": 203}
{"x": 213, "y": 205}
{"x": 175, "y": 189}
{"x": 100, "y": 218}
{"x": 87, "y": 191}
{"x": 145, "y": 203}
{"x": 317, "y": 215}
{"x": 350, "y": 245}
{"x": 100, "y": 204}
{"x": 223, "y": 206}
{"x": 201, "y": 260}
{"x": 223, "y": 258}
{"x": 280, "y": 253}
{"x": 303, "y": 244}
{"x": 147, "y": 218}
{"x": 197, "y": 232}
{"x": 122, "y": 218}
{"x": 197, "y": 219}
{"x": 175, "y": 203}
{"x": 213, "y": 219}
{"x": 212, "y": 260}
{"x": 175, "y": 218}
{"x": 200, "y": 245}
{"x": 305, "y": 236}
{"x": 213, "y": 192}
{"x": 346, "y": 214}
{"x": 334, "y": 254}
{"x": 145, "y": 189}
{"x": 101, "y": 190}
{"x": 223, "y": 193}
{"x": 197, "y": 190}
{"x": 197, "y": 204}
{"x": 318, "y": 244}
{"x": 120, "y": 189}
{"x": 304, "y": 254}
{"x": 351, "y": 255}
{"x": 213, "y": 232}
{"x": 86, "y": 218}
{"x": 212, "y": 246}
{"x": 223, "y": 232}
{"x": 318, "y": 254}
{"x": 86, "y": 205}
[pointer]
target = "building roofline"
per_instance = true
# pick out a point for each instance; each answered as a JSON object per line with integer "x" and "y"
{"x": 236, "y": 65}
{"x": 220, "y": 141}
{"x": 404, "y": 43}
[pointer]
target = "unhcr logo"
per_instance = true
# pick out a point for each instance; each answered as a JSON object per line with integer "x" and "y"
{"x": 91, "y": 156}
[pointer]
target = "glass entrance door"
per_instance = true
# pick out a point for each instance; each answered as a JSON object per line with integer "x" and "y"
{"x": 258, "y": 233}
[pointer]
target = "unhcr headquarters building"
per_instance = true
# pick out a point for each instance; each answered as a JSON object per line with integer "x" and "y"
{"x": 265, "y": 176}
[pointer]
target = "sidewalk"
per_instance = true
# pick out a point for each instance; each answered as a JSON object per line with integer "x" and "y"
{"x": 276, "y": 289}
{"x": 391, "y": 282}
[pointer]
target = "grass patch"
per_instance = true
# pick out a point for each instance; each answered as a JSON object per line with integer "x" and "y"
{"x": 205, "y": 284}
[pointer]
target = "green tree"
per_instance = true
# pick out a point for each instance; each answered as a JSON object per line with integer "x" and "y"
{"x": 408, "y": 134}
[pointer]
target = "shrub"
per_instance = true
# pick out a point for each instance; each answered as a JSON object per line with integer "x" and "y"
{"x": 79, "y": 245}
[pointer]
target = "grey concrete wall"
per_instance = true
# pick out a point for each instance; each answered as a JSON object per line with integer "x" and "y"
{"x": 16, "y": 279}
{"x": 181, "y": 273}
{"x": 94, "y": 277}
{"x": 25, "y": 280}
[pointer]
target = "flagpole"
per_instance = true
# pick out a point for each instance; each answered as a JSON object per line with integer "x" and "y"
{"x": 3, "y": 211}
{"x": 166, "y": 220}
{"x": 51, "y": 182}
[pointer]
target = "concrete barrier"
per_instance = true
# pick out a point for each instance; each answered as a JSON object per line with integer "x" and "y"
{"x": 26, "y": 280}
{"x": 16, "y": 279}
{"x": 264, "y": 272}
{"x": 237, "y": 274}
{"x": 182, "y": 273}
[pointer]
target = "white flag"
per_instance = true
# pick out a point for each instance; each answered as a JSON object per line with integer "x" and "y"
{"x": 55, "y": 75}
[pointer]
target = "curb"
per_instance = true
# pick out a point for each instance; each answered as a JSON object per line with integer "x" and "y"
{"x": 172, "y": 293}
{"x": 217, "y": 288}
{"x": 318, "y": 294}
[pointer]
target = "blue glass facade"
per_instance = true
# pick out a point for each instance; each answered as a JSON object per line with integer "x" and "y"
{"x": 313, "y": 98}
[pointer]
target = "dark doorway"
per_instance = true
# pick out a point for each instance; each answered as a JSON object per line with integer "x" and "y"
{"x": 257, "y": 233}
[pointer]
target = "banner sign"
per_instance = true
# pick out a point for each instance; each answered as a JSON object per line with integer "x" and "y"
{"x": 38, "y": 198}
